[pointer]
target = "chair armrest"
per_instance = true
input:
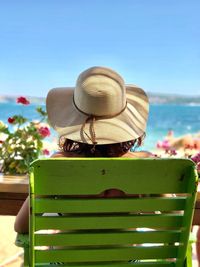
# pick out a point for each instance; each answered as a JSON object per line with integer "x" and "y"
{"x": 22, "y": 240}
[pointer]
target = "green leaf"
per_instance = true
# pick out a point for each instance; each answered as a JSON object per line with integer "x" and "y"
{"x": 19, "y": 119}
{"x": 41, "y": 111}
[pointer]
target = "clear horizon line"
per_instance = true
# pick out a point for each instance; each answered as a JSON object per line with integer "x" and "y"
{"x": 151, "y": 93}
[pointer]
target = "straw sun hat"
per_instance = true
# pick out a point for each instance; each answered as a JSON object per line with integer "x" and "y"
{"x": 100, "y": 109}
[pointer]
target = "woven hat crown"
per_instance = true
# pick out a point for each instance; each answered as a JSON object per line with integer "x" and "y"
{"x": 100, "y": 92}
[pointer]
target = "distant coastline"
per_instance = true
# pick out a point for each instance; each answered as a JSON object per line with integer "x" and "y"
{"x": 158, "y": 98}
{"x": 12, "y": 99}
{"x": 155, "y": 98}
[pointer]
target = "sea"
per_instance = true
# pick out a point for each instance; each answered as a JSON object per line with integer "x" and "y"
{"x": 181, "y": 119}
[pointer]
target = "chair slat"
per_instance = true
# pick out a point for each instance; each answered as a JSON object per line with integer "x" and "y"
{"x": 106, "y": 238}
{"x": 118, "y": 264}
{"x": 146, "y": 204}
{"x": 108, "y": 222}
{"x": 111, "y": 254}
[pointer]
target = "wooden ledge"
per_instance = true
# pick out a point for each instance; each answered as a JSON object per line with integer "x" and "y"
{"x": 14, "y": 184}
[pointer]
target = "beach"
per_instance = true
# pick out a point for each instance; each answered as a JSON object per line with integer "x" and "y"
{"x": 10, "y": 255}
{"x": 130, "y": 84}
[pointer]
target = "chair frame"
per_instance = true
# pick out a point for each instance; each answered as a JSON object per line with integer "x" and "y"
{"x": 150, "y": 178}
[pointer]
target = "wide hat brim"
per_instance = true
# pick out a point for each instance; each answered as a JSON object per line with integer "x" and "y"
{"x": 68, "y": 121}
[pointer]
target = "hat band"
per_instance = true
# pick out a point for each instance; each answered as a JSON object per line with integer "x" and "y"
{"x": 92, "y": 117}
{"x": 99, "y": 116}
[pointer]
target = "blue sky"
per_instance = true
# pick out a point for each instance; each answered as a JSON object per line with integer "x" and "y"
{"x": 47, "y": 43}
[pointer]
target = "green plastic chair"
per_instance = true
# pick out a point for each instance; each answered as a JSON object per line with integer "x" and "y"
{"x": 143, "y": 228}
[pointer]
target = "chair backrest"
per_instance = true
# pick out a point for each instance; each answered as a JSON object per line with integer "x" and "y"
{"x": 96, "y": 231}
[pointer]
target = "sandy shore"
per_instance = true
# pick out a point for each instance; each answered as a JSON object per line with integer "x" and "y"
{"x": 9, "y": 253}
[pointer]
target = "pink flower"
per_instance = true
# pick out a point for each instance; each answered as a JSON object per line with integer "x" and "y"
{"x": 11, "y": 120}
{"x": 45, "y": 152}
{"x": 198, "y": 167}
{"x": 23, "y": 100}
{"x": 44, "y": 131}
{"x": 163, "y": 144}
{"x": 159, "y": 144}
{"x": 188, "y": 146}
{"x": 196, "y": 158}
{"x": 173, "y": 152}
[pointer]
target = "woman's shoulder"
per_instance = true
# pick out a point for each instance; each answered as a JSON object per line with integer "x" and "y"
{"x": 139, "y": 154}
{"x": 62, "y": 154}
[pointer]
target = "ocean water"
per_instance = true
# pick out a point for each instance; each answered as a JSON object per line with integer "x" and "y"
{"x": 182, "y": 119}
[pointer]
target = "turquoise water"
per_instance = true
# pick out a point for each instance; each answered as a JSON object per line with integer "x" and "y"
{"x": 181, "y": 119}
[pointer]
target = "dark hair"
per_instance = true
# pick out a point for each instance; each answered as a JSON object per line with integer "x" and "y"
{"x": 108, "y": 150}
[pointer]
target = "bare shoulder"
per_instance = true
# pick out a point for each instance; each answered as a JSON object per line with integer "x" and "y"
{"x": 62, "y": 154}
{"x": 139, "y": 154}
{"x": 58, "y": 154}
